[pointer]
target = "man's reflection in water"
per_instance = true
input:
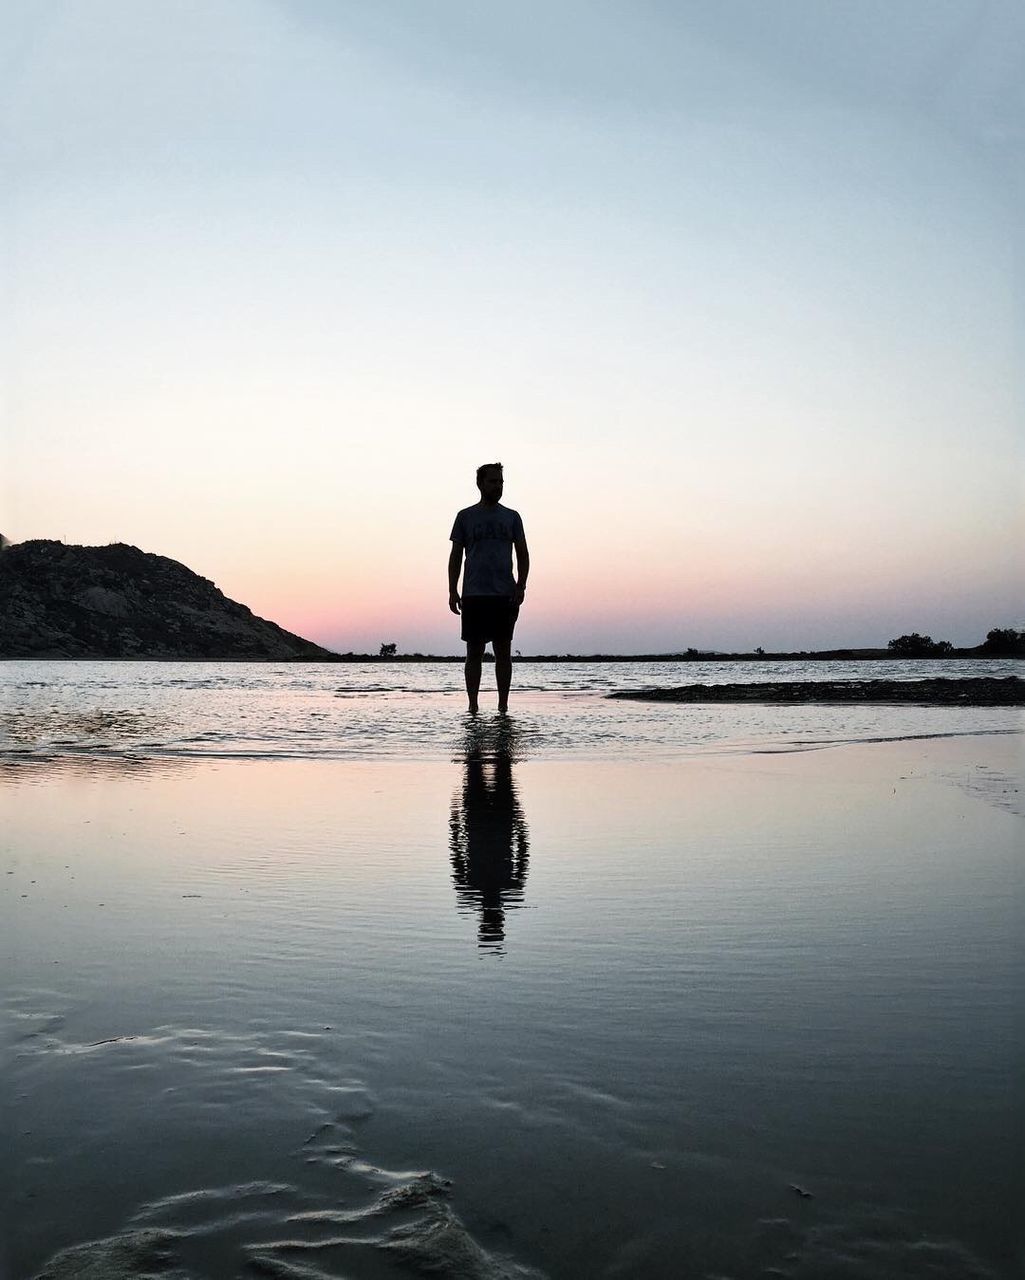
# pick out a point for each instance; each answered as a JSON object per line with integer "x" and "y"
{"x": 487, "y": 830}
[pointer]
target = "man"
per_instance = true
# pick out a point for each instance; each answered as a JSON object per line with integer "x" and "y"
{"x": 487, "y": 533}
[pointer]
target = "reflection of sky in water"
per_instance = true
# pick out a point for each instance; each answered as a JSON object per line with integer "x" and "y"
{"x": 737, "y": 973}
{"x": 414, "y": 712}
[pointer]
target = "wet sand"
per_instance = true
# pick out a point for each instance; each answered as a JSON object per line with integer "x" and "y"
{"x": 1008, "y": 691}
{"x": 503, "y": 1018}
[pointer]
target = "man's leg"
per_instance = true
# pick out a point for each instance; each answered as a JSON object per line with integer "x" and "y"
{"x": 503, "y": 670}
{"x": 474, "y": 657}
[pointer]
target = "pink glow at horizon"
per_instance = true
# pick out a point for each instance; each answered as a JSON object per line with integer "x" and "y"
{"x": 718, "y": 603}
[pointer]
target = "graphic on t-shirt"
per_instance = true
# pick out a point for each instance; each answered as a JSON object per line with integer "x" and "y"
{"x": 490, "y": 529}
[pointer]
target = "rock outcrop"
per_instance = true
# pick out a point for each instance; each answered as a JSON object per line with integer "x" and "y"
{"x": 60, "y": 601}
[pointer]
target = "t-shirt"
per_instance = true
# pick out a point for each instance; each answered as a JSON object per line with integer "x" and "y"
{"x": 487, "y": 535}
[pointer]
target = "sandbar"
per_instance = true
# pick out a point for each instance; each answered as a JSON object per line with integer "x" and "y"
{"x": 939, "y": 692}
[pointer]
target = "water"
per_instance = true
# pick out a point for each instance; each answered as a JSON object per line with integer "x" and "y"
{"x": 407, "y": 711}
{"x": 308, "y": 975}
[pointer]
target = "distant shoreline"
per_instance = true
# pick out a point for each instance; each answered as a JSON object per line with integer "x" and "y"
{"x": 821, "y": 655}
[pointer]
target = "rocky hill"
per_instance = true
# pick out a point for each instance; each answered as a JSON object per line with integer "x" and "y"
{"x": 60, "y": 601}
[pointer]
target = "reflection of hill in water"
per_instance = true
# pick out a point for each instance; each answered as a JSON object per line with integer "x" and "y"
{"x": 488, "y": 836}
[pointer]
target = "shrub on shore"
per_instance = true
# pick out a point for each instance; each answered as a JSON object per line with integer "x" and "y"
{"x": 916, "y": 646}
{"x": 1004, "y": 642}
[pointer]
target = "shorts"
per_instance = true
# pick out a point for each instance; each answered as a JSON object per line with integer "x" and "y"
{"x": 488, "y": 618}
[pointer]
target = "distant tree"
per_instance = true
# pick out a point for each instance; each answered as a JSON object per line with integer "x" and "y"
{"x": 916, "y": 646}
{"x": 1004, "y": 642}
{"x": 759, "y": 650}
{"x": 388, "y": 651}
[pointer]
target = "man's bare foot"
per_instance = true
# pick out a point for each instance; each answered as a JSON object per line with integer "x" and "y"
{"x": 472, "y": 709}
{"x": 503, "y": 708}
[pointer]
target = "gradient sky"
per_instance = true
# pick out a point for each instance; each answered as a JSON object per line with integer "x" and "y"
{"x": 733, "y": 289}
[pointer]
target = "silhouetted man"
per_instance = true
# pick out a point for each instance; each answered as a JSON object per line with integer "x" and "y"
{"x": 487, "y": 533}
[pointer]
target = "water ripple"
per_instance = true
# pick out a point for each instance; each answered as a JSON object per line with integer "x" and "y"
{"x": 416, "y": 711}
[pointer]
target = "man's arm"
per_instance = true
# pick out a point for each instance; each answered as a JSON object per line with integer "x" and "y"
{"x": 522, "y": 567}
{"x": 455, "y": 563}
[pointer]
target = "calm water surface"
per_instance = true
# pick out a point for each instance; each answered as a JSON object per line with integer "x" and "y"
{"x": 595, "y": 991}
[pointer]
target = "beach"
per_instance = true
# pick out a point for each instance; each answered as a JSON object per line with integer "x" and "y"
{"x": 516, "y": 1013}
{"x": 672, "y": 351}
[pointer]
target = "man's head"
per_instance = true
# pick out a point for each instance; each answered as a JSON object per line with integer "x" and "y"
{"x": 490, "y": 482}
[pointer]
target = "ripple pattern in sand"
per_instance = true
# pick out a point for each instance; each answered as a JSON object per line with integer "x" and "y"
{"x": 219, "y": 1107}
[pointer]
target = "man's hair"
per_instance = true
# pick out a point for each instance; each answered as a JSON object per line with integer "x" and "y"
{"x": 488, "y": 466}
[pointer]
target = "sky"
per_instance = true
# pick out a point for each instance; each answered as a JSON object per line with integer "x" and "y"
{"x": 734, "y": 290}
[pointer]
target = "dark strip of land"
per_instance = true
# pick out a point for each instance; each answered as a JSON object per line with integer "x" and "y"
{"x": 981, "y": 692}
{"x": 821, "y": 655}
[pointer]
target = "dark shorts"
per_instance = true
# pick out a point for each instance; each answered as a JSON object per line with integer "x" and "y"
{"x": 488, "y": 618}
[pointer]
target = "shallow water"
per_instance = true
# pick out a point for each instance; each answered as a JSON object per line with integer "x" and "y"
{"x": 510, "y": 1005}
{"x": 407, "y": 710}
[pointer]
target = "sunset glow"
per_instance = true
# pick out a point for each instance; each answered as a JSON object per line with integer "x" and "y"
{"x": 730, "y": 290}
